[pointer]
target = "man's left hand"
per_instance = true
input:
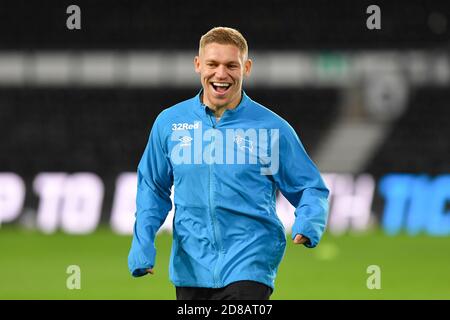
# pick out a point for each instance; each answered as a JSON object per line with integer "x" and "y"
{"x": 300, "y": 239}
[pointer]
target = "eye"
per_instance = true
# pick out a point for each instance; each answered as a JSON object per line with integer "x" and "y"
{"x": 211, "y": 64}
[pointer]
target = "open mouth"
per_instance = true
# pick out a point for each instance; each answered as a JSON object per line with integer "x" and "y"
{"x": 221, "y": 87}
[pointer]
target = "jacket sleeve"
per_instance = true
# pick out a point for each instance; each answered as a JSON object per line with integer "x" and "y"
{"x": 300, "y": 182}
{"x": 153, "y": 203}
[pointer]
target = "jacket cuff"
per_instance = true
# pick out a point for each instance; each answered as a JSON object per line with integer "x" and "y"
{"x": 138, "y": 263}
{"x": 306, "y": 229}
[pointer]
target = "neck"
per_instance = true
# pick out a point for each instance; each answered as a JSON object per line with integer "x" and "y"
{"x": 219, "y": 110}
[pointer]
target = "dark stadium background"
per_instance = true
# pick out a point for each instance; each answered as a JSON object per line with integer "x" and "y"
{"x": 102, "y": 127}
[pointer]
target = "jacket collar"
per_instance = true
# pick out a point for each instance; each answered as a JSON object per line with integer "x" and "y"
{"x": 204, "y": 109}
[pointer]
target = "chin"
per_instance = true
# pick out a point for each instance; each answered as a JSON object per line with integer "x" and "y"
{"x": 214, "y": 98}
{"x": 220, "y": 102}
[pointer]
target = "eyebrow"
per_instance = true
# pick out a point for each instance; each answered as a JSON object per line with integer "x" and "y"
{"x": 228, "y": 62}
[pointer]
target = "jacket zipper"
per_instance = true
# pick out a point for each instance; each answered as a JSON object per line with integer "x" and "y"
{"x": 217, "y": 238}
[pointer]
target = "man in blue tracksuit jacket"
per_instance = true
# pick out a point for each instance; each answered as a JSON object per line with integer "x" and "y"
{"x": 226, "y": 156}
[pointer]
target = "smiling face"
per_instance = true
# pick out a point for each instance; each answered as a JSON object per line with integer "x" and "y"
{"x": 222, "y": 68}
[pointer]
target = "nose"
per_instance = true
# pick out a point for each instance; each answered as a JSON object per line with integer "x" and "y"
{"x": 221, "y": 72}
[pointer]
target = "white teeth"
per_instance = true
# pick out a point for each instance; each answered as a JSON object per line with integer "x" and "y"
{"x": 219, "y": 84}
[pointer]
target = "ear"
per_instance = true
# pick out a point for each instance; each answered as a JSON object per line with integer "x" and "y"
{"x": 197, "y": 64}
{"x": 248, "y": 67}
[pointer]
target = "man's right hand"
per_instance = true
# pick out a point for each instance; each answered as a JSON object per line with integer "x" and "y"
{"x": 150, "y": 271}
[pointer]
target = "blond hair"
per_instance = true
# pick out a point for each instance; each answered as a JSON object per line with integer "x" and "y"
{"x": 224, "y": 35}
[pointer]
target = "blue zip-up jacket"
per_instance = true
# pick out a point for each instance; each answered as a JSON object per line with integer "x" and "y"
{"x": 225, "y": 176}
